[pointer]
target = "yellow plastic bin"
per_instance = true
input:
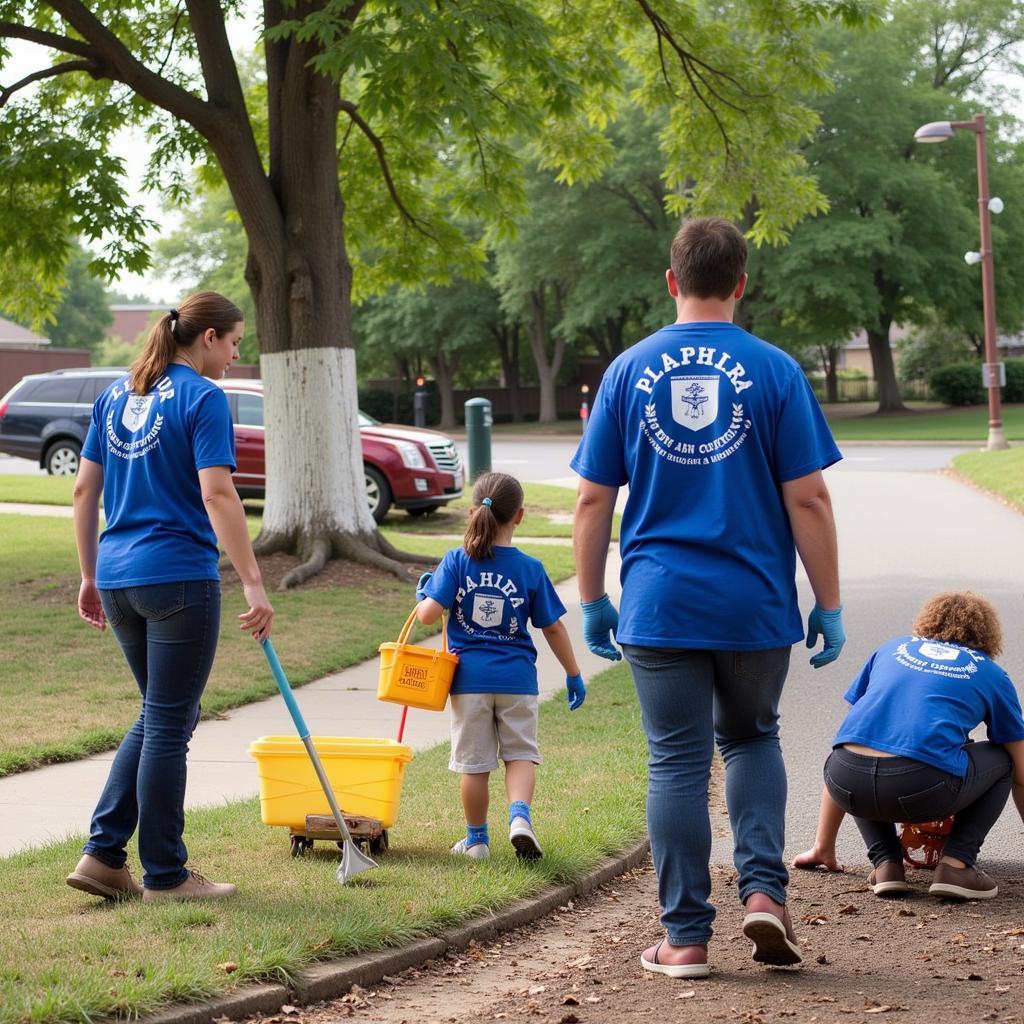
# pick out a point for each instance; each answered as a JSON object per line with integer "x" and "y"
{"x": 365, "y": 774}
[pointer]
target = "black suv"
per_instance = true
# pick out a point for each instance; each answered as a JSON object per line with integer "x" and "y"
{"x": 46, "y": 416}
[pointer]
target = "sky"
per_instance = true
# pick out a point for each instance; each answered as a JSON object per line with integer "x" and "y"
{"x": 134, "y": 148}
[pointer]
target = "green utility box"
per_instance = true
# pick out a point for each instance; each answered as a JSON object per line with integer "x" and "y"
{"x": 478, "y": 437}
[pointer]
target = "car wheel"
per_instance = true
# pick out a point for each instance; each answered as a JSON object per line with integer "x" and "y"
{"x": 62, "y": 458}
{"x": 423, "y": 510}
{"x": 378, "y": 493}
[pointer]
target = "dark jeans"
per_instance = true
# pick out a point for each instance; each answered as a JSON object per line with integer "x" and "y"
{"x": 690, "y": 700}
{"x": 168, "y": 633}
{"x": 880, "y": 791}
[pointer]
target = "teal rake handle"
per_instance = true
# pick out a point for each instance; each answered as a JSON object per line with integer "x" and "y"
{"x": 300, "y": 724}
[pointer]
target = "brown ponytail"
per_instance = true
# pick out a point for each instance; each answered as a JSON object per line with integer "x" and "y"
{"x": 497, "y": 497}
{"x": 179, "y": 328}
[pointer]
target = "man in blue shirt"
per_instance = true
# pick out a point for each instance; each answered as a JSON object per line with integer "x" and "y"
{"x": 722, "y": 443}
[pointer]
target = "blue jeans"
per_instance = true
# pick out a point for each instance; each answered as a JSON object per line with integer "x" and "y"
{"x": 168, "y": 633}
{"x": 691, "y": 699}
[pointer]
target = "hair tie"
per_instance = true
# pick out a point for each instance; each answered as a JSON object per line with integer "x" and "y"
{"x": 486, "y": 501}
{"x": 174, "y": 315}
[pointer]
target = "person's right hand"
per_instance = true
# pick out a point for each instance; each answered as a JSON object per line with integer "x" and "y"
{"x": 421, "y": 583}
{"x": 818, "y": 856}
{"x": 600, "y": 620}
{"x": 829, "y": 623}
{"x": 258, "y": 618}
{"x": 90, "y": 608}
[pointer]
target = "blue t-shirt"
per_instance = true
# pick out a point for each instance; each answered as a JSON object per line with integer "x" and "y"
{"x": 921, "y": 698}
{"x": 705, "y": 422}
{"x": 151, "y": 448}
{"x": 491, "y": 603}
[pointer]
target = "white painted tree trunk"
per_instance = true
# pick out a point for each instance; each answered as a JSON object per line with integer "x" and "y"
{"x": 314, "y": 458}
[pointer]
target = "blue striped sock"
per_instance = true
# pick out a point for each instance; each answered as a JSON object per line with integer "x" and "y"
{"x": 518, "y": 809}
{"x": 477, "y": 834}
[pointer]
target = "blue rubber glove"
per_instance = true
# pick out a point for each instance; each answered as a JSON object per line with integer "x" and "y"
{"x": 577, "y": 691}
{"x": 421, "y": 583}
{"x": 829, "y": 623}
{"x": 600, "y": 620}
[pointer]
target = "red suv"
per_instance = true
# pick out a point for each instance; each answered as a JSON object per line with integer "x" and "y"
{"x": 418, "y": 470}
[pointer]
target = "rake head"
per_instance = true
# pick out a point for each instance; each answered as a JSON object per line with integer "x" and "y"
{"x": 353, "y": 862}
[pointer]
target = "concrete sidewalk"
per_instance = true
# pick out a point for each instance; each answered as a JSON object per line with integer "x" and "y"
{"x": 57, "y": 801}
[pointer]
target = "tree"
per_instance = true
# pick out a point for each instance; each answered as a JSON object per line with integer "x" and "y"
{"x": 374, "y": 121}
{"x": 890, "y": 248}
{"x": 83, "y": 315}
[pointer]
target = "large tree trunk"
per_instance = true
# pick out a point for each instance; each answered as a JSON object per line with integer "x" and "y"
{"x": 547, "y": 367}
{"x": 829, "y": 363}
{"x": 884, "y": 367}
{"x": 301, "y": 279}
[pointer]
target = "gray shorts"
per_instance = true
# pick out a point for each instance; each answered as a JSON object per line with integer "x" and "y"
{"x": 486, "y": 726}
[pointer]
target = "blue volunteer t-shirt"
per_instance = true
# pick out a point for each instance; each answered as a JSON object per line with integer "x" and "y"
{"x": 921, "y": 698}
{"x": 151, "y": 448}
{"x": 491, "y": 603}
{"x": 705, "y": 422}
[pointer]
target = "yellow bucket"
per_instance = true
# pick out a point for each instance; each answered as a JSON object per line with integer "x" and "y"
{"x": 419, "y": 677}
{"x": 365, "y": 774}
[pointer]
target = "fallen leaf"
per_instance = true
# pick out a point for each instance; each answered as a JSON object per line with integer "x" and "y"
{"x": 581, "y": 961}
{"x": 228, "y": 967}
{"x": 864, "y": 938}
{"x": 688, "y": 994}
{"x": 974, "y": 977}
{"x": 570, "y": 1001}
{"x": 849, "y": 909}
{"x": 569, "y": 1018}
{"x": 878, "y": 1009}
{"x": 288, "y": 1008}
{"x": 536, "y": 990}
{"x": 822, "y": 959}
{"x": 814, "y": 919}
{"x": 593, "y": 999}
{"x": 903, "y": 912}
{"x": 1002, "y": 988}
{"x": 221, "y": 716}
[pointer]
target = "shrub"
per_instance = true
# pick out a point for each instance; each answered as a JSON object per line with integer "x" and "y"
{"x": 1014, "y": 390}
{"x": 957, "y": 384}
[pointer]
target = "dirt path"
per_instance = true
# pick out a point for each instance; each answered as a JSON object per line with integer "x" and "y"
{"x": 866, "y": 960}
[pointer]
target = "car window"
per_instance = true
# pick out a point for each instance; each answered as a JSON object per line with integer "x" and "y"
{"x": 61, "y": 389}
{"x": 95, "y": 386}
{"x": 250, "y": 409}
{"x": 366, "y": 420}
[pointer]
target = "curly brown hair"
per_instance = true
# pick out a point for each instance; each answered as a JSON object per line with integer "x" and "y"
{"x": 961, "y": 617}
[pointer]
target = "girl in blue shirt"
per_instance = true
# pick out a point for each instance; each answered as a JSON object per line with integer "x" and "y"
{"x": 493, "y": 591}
{"x": 904, "y": 752}
{"x": 161, "y": 452}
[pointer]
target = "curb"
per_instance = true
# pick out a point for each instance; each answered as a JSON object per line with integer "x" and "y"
{"x": 334, "y": 978}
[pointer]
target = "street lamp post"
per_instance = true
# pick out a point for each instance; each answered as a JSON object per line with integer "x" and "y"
{"x": 939, "y": 131}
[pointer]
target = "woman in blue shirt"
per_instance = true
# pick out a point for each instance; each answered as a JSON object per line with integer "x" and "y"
{"x": 160, "y": 451}
{"x": 903, "y": 753}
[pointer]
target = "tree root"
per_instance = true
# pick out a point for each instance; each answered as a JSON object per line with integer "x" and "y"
{"x": 316, "y": 549}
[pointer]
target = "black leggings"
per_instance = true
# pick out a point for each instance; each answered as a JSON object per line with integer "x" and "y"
{"x": 880, "y": 791}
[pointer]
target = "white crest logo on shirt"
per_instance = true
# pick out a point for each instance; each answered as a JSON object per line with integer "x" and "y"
{"x": 695, "y": 401}
{"x": 488, "y": 612}
{"x": 939, "y": 652}
{"x": 136, "y": 412}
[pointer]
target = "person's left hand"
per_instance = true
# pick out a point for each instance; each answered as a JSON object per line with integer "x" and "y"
{"x": 421, "y": 583}
{"x": 577, "y": 691}
{"x": 90, "y": 608}
{"x": 829, "y": 623}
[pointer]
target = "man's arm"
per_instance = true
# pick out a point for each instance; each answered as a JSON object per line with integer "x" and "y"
{"x": 591, "y": 535}
{"x": 1016, "y": 752}
{"x": 809, "y": 508}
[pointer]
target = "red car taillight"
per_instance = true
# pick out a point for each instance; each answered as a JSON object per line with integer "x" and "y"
{"x": 3, "y": 409}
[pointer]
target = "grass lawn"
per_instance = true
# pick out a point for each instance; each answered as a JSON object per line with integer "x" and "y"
{"x": 36, "y": 490}
{"x": 66, "y": 691}
{"x": 968, "y": 423}
{"x": 1002, "y": 473}
{"x": 66, "y": 958}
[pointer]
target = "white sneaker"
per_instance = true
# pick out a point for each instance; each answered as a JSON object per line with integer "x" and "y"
{"x": 523, "y": 838}
{"x": 478, "y": 851}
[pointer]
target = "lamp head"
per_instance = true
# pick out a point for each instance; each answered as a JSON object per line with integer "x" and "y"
{"x": 996, "y": 205}
{"x": 970, "y": 258}
{"x": 934, "y": 131}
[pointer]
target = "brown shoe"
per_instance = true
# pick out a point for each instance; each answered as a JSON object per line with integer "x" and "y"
{"x": 195, "y": 887}
{"x": 888, "y": 879}
{"x": 96, "y": 878}
{"x": 962, "y": 883}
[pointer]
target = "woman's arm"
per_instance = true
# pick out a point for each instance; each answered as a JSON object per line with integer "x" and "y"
{"x": 227, "y": 516}
{"x": 823, "y": 853}
{"x": 1016, "y": 752}
{"x": 429, "y": 611}
{"x": 88, "y": 488}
